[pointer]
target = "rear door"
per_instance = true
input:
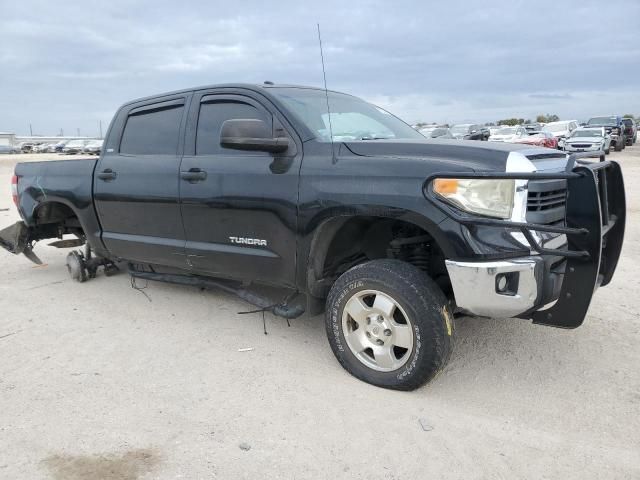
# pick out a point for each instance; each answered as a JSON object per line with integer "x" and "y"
{"x": 240, "y": 217}
{"x": 136, "y": 184}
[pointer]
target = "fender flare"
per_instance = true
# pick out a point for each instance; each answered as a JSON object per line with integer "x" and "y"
{"x": 331, "y": 222}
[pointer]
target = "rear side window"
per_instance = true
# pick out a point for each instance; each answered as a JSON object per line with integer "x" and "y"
{"x": 152, "y": 131}
{"x": 213, "y": 115}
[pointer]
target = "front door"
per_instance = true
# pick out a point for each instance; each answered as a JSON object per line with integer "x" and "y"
{"x": 239, "y": 208}
{"x": 136, "y": 185}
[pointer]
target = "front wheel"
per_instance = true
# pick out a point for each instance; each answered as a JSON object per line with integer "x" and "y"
{"x": 389, "y": 324}
{"x": 618, "y": 146}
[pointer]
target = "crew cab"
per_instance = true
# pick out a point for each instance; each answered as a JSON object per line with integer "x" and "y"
{"x": 614, "y": 127}
{"x": 353, "y": 212}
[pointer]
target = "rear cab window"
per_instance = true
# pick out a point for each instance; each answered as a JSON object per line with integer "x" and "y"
{"x": 153, "y": 129}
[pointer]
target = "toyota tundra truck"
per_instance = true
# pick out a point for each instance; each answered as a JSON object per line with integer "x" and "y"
{"x": 335, "y": 205}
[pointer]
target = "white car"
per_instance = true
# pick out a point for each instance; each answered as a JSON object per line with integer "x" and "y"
{"x": 561, "y": 130}
{"x": 588, "y": 139}
{"x": 509, "y": 134}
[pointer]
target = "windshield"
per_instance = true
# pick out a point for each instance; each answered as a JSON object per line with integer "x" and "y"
{"x": 75, "y": 143}
{"x": 351, "y": 118}
{"x": 586, "y": 133}
{"x": 556, "y": 127}
{"x": 506, "y": 131}
{"x": 602, "y": 121}
{"x": 459, "y": 129}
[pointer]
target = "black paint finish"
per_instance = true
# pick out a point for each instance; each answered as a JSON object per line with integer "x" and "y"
{"x": 181, "y": 209}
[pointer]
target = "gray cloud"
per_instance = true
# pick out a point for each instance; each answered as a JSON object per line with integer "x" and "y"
{"x": 73, "y": 63}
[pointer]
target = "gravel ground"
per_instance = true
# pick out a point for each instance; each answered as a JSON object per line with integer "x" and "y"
{"x": 99, "y": 381}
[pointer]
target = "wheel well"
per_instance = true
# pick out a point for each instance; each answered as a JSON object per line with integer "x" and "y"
{"x": 359, "y": 239}
{"x": 58, "y": 214}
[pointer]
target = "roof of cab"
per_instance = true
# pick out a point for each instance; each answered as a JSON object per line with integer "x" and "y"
{"x": 247, "y": 86}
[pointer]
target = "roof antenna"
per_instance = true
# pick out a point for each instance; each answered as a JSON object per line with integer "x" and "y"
{"x": 326, "y": 94}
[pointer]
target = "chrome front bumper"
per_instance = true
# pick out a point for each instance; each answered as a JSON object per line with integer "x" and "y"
{"x": 503, "y": 289}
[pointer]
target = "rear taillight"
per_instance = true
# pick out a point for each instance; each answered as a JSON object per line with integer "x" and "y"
{"x": 14, "y": 189}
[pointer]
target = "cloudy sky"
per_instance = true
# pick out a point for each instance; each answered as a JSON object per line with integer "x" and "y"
{"x": 71, "y": 64}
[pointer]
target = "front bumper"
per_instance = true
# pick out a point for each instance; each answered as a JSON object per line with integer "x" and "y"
{"x": 565, "y": 277}
{"x": 568, "y": 147}
{"x": 479, "y": 290}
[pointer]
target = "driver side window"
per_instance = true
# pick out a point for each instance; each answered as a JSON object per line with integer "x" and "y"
{"x": 210, "y": 119}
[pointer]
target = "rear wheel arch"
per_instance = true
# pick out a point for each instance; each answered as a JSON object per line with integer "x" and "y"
{"x": 59, "y": 218}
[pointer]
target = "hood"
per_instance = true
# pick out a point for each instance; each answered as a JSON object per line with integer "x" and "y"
{"x": 502, "y": 138}
{"x": 456, "y": 154}
{"x": 584, "y": 140}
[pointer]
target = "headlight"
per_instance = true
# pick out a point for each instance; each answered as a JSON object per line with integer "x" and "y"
{"x": 493, "y": 198}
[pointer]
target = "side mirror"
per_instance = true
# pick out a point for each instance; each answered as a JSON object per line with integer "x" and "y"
{"x": 251, "y": 134}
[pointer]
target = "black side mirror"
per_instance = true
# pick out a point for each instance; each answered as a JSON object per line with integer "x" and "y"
{"x": 251, "y": 134}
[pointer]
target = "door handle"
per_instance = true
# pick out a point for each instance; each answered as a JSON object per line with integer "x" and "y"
{"x": 194, "y": 175}
{"x": 107, "y": 175}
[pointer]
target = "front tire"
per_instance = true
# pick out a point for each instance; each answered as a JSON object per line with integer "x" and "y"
{"x": 618, "y": 147}
{"x": 389, "y": 324}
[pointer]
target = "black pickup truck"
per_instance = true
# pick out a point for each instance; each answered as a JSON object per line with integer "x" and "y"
{"x": 351, "y": 212}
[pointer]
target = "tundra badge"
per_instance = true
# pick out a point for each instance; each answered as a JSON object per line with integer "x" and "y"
{"x": 248, "y": 241}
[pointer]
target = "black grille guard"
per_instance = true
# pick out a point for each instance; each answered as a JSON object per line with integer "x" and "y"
{"x": 595, "y": 222}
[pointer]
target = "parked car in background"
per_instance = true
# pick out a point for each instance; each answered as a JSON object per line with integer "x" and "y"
{"x": 540, "y": 138}
{"x": 8, "y": 149}
{"x": 630, "y": 130}
{"x": 57, "y": 148}
{"x": 74, "y": 146}
{"x": 509, "y": 134}
{"x": 588, "y": 139}
{"x": 26, "y": 147}
{"x": 94, "y": 147}
{"x": 614, "y": 127}
{"x": 561, "y": 130}
{"x": 39, "y": 148}
{"x": 470, "y": 131}
{"x": 436, "y": 132}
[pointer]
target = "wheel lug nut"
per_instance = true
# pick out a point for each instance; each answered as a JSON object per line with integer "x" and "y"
{"x": 368, "y": 335}
{"x": 379, "y": 342}
{"x": 368, "y": 321}
{"x": 387, "y": 332}
{"x": 380, "y": 318}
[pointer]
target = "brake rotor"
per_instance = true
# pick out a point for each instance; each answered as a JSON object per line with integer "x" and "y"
{"x": 77, "y": 267}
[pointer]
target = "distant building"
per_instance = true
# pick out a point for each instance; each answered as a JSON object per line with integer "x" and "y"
{"x": 7, "y": 138}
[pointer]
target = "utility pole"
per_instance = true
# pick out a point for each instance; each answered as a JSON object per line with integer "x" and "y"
{"x": 100, "y": 121}
{"x": 78, "y": 132}
{"x": 30, "y": 130}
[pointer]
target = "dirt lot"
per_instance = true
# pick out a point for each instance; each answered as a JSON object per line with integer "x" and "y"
{"x": 97, "y": 381}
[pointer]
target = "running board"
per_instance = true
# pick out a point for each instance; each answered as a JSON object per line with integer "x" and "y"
{"x": 281, "y": 309}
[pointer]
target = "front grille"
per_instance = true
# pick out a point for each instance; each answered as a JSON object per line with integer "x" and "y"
{"x": 581, "y": 145}
{"x": 546, "y": 201}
